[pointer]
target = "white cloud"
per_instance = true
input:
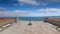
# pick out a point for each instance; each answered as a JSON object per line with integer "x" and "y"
{"x": 46, "y": 2}
{"x": 38, "y": 2}
{"x": 51, "y": 14}
{"x": 31, "y": 2}
{"x": 17, "y": 13}
{"x": 22, "y": 11}
{"x": 49, "y": 10}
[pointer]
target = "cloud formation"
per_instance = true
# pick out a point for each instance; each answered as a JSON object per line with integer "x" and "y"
{"x": 49, "y": 1}
{"x": 15, "y": 13}
{"x": 49, "y": 10}
{"x": 39, "y": 2}
{"x": 18, "y": 13}
{"x": 31, "y": 2}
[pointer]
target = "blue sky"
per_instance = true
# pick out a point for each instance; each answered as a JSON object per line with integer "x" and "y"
{"x": 29, "y": 7}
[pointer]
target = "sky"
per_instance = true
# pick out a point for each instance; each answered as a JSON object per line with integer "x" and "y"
{"x": 30, "y": 8}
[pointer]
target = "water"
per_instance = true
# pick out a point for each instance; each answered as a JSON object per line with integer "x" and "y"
{"x": 32, "y": 18}
{"x": 36, "y": 18}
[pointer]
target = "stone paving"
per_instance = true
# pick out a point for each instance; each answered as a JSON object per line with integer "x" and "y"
{"x": 36, "y": 27}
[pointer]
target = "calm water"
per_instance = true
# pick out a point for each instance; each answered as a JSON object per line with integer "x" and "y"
{"x": 32, "y": 18}
{"x": 36, "y": 18}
